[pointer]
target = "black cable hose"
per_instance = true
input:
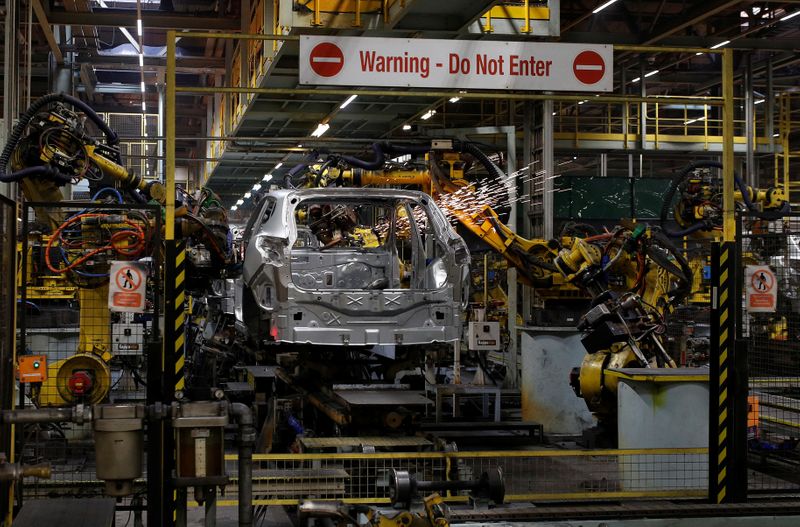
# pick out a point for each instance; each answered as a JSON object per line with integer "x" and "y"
{"x": 41, "y": 171}
{"x": 681, "y": 291}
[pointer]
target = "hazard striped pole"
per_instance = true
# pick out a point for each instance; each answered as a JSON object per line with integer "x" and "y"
{"x": 727, "y": 448}
{"x": 173, "y": 370}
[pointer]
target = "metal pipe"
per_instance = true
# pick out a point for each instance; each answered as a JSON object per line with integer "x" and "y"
{"x": 78, "y": 414}
{"x": 247, "y": 438}
{"x": 713, "y": 101}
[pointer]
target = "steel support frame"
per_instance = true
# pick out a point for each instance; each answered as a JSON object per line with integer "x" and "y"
{"x": 8, "y": 358}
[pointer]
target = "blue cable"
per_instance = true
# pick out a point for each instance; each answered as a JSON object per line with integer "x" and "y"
{"x": 108, "y": 189}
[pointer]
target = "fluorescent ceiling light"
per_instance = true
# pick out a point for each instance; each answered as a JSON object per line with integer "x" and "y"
{"x": 637, "y": 79}
{"x": 256, "y": 187}
{"x": 650, "y": 74}
{"x": 715, "y": 46}
{"x": 240, "y": 202}
{"x": 144, "y": 106}
{"x": 139, "y": 26}
{"x": 406, "y": 127}
{"x": 234, "y": 207}
{"x": 279, "y": 165}
{"x": 267, "y": 177}
{"x": 321, "y": 129}
{"x": 142, "y": 83}
{"x": 455, "y": 99}
{"x": 787, "y": 17}
{"x": 347, "y": 102}
{"x": 759, "y": 101}
{"x": 141, "y": 60}
{"x": 247, "y": 195}
{"x": 299, "y": 145}
{"x": 690, "y": 121}
{"x": 581, "y": 102}
{"x": 427, "y": 115}
{"x": 597, "y": 10}
{"x": 775, "y": 135}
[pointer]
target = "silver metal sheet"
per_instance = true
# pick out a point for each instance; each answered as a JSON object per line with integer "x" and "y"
{"x": 383, "y": 398}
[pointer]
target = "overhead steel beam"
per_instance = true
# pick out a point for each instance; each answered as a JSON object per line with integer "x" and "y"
{"x": 196, "y": 65}
{"x": 700, "y": 12}
{"x": 127, "y": 18}
{"x": 41, "y": 16}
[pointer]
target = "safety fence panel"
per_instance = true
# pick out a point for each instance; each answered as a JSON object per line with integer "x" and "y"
{"x": 768, "y": 268}
{"x": 89, "y": 290}
{"x": 545, "y": 475}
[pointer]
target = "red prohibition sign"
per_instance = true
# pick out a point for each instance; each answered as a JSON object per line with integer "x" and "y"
{"x": 326, "y": 59}
{"x": 128, "y": 279}
{"x": 589, "y": 67}
{"x": 762, "y": 281}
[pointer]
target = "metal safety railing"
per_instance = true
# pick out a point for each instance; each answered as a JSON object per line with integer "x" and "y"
{"x": 624, "y": 123}
{"x": 546, "y": 475}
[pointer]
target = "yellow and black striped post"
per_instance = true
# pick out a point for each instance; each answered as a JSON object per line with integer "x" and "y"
{"x": 727, "y": 455}
{"x": 161, "y": 490}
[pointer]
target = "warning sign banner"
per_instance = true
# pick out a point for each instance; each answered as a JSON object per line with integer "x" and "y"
{"x": 126, "y": 289}
{"x": 455, "y": 64}
{"x": 761, "y": 289}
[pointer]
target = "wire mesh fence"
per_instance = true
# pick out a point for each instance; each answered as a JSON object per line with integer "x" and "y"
{"x": 89, "y": 291}
{"x": 769, "y": 333}
{"x": 287, "y": 479}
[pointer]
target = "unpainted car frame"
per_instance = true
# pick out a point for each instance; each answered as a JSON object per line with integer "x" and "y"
{"x": 351, "y": 296}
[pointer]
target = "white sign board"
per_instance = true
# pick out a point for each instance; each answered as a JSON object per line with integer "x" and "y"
{"x": 126, "y": 288}
{"x": 762, "y": 289}
{"x": 455, "y": 64}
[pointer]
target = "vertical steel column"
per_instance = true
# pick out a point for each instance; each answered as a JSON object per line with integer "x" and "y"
{"x": 548, "y": 197}
{"x": 8, "y": 209}
{"x": 769, "y": 104}
{"x": 511, "y": 277}
{"x": 749, "y": 123}
{"x": 728, "y": 224}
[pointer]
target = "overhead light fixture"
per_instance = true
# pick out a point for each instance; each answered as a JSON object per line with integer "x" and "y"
{"x": 139, "y": 26}
{"x": 775, "y": 135}
{"x": 715, "y": 46}
{"x": 267, "y": 177}
{"x": 698, "y": 53}
{"x": 279, "y": 165}
{"x": 690, "y": 121}
{"x": 141, "y": 60}
{"x": 406, "y": 127}
{"x": 299, "y": 145}
{"x": 234, "y": 208}
{"x": 787, "y": 17}
{"x": 581, "y": 102}
{"x": 427, "y": 115}
{"x": 455, "y": 99}
{"x": 240, "y": 202}
{"x": 650, "y": 74}
{"x": 247, "y": 195}
{"x": 256, "y": 187}
{"x": 759, "y": 101}
{"x": 597, "y": 10}
{"x": 637, "y": 79}
{"x": 321, "y": 129}
{"x": 142, "y": 83}
{"x": 347, "y": 101}
{"x": 144, "y": 106}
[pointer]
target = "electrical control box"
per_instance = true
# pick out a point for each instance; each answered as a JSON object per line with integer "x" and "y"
{"x": 127, "y": 339}
{"x": 32, "y": 368}
{"x": 484, "y": 336}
